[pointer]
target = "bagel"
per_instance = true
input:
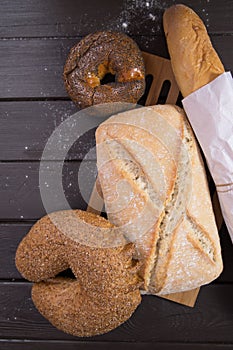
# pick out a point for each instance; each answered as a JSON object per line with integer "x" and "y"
{"x": 97, "y": 55}
{"x": 105, "y": 291}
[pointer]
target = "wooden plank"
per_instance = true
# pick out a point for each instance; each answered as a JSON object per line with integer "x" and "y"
{"x": 19, "y": 186}
{"x": 12, "y": 233}
{"x": 155, "y": 319}
{"x": 10, "y": 236}
{"x": 91, "y": 345}
{"x": 42, "y": 18}
{"x": 26, "y": 127}
{"x": 187, "y": 298}
{"x": 33, "y": 68}
{"x": 161, "y": 71}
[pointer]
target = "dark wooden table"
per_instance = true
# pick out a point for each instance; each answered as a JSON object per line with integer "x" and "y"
{"x": 35, "y": 38}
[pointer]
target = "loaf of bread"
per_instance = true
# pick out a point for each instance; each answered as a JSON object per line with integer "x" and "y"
{"x": 194, "y": 61}
{"x": 155, "y": 189}
{"x": 105, "y": 290}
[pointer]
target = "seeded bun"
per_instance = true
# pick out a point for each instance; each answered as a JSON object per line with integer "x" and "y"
{"x": 97, "y": 55}
{"x": 105, "y": 291}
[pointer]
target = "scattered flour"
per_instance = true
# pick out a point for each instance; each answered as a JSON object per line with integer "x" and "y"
{"x": 205, "y": 16}
{"x": 152, "y": 17}
{"x": 135, "y": 17}
{"x": 138, "y": 14}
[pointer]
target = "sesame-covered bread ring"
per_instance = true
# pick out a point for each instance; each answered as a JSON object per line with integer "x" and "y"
{"x": 97, "y": 55}
{"x": 106, "y": 290}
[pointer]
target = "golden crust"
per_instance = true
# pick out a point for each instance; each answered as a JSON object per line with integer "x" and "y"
{"x": 107, "y": 285}
{"x": 140, "y": 218}
{"x": 179, "y": 210}
{"x": 71, "y": 309}
{"x": 194, "y": 61}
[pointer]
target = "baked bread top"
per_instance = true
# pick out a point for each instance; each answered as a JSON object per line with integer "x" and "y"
{"x": 194, "y": 61}
{"x": 155, "y": 189}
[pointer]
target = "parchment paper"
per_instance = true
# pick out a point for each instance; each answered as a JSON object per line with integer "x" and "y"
{"x": 210, "y": 112}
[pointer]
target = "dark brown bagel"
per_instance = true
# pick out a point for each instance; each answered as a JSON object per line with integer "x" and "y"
{"x": 96, "y": 55}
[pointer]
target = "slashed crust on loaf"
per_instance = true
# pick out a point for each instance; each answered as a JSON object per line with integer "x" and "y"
{"x": 194, "y": 61}
{"x": 145, "y": 185}
{"x": 179, "y": 211}
{"x": 178, "y": 261}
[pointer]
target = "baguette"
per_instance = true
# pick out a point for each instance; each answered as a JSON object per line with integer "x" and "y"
{"x": 194, "y": 61}
{"x": 154, "y": 187}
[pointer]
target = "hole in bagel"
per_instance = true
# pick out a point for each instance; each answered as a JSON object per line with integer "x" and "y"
{"x": 108, "y": 78}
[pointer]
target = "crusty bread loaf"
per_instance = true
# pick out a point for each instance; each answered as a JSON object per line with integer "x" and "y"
{"x": 154, "y": 187}
{"x": 194, "y": 61}
{"x": 106, "y": 291}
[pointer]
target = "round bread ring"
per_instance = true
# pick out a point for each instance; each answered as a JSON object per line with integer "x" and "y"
{"x": 97, "y": 55}
{"x": 105, "y": 292}
{"x": 69, "y": 308}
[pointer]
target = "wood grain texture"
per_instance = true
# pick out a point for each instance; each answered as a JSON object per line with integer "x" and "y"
{"x": 16, "y": 344}
{"x": 161, "y": 71}
{"x": 31, "y": 18}
{"x": 10, "y": 237}
{"x": 27, "y": 126}
{"x": 33, "y": 68}
{"x": 20, "y": 195}
{"x": 155, "y": 319}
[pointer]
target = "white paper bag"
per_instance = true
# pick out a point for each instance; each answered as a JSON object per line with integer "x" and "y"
{"x": 210, "y": 112}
